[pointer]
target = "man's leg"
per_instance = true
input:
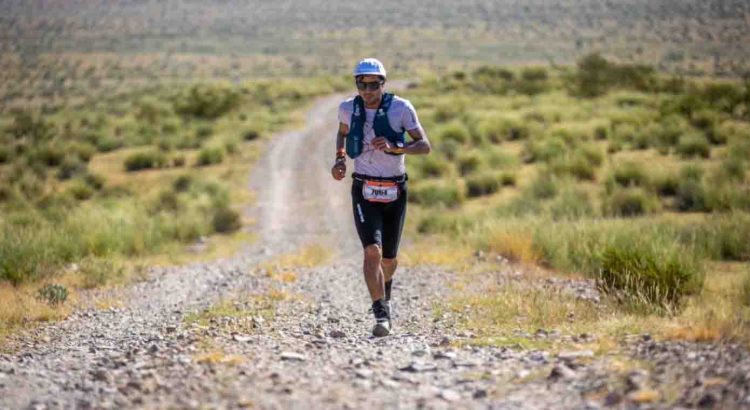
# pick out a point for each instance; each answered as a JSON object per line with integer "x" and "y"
{"x": 389, "y": 269}
{"x": 373, "y": 272}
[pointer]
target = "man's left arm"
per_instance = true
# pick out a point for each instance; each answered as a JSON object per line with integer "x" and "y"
{"x": 419, "y": 143}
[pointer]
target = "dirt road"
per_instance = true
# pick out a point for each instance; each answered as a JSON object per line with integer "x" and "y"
{"x": 304, "y": 342}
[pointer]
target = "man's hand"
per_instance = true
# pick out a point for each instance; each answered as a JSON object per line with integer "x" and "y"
{"x": 339, "y": 169}
{"x": 381, "y": 144}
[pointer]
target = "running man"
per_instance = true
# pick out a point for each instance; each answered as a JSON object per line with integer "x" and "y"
{"x": 372, "y": 129}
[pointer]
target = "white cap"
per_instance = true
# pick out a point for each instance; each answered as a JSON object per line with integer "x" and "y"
{"x": 369, "y": 66}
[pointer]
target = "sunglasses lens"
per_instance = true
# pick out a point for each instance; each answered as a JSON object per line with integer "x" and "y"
{"x": 370, "y": 85}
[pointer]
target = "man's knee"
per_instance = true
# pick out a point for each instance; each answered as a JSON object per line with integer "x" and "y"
{"x": 373, "y": 252}
{"x": 389, "y": 263}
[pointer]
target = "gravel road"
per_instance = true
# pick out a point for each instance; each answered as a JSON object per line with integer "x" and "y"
{"x": 305, "y": 343}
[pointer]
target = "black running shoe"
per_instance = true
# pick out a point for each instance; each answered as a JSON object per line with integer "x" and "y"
{"x": 381, "y": 311}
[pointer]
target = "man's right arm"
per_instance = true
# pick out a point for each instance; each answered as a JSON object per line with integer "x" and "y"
{"x": 339, "y": 167}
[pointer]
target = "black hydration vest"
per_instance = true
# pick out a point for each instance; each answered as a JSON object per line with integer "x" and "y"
{"x": 381, "y": 125}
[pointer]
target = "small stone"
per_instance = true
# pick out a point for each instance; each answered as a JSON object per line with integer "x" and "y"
{"x": 171, "y": 328}
{"x": 449, "y": 395}
{"x": 241, "y": 338}
{"x": 636, "y": 380}
{"x": 570, "y": 356}
{"x": 337, "y": 334}
{"x": 560, "y": 371}
{"x": 420, "y": 352}
{"x": 363, "y": 373}
{"x": 612, "y": 399}
{"x": 445, "y": 355}
{"x": 446, "y": 341}
{"x": 292, "y": 356}
{"x": 480, "y": 394}
{"x": 708, "y": 400}
{"x": 416, "y": 367}
{"x": 101, "y": 375}
{"x": 153, "y": 349}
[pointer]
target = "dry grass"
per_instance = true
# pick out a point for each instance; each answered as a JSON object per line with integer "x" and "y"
{"x": 19, "y": 308}
{"x": 720, "y": 312}
{"x": 284, "y": 268}
{"x": 433, "y": 251}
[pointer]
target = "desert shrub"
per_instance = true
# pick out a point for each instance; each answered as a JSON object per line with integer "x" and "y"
{"x": 70, "y": 167}
{"x": 629, "y": 174}
{"x": 80, "y": 190}
{"x": 182, "y": 183}
{"x": 571, "y": 204}
{"x": 144, "y": 160}
{"x": 99, "y": 271}
{"x": 693, "y": 145}
{"x": 721, "y": 237}
{"x": 732, "y": 168}
{"x": 52, "y": 294}
{"x": 692, "y": 196}
{"x": 206, "y": 101}
{"x": 544, "y": 150}
{"x": 50, "y": 155}
{"x": 469, "y": 162}
{"x": 544, "y": 186}
{"x": 4, "y": 155}
{"x": 670, "y": 129}
{"x": 250, "y": 134}
{"x": 107, "y": 144}
{"x": 203, "y": 132}
{"x": 665, "y": 184}
{"x": 225, "y": 220}
{"x": 486, "y": 183}
{"x": 210, "y": 156}
{"x": 648, "y": 275}
{"x": 629, "y": 202}
{"x": 454, "y": 131}
{"x": 533, "y": 80}
{"x": 230, "y": 146}
{"x": 95, "y": 181}
{"x": 431, "y": 166}
{"x": 574, "y": 164}
{"x": 31, "y": 126}
{"x": 437, "y": 193}
{"x": 151, "y": 111}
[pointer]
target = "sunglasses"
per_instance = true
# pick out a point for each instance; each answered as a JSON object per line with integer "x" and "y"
{"x": 370, "y": 85}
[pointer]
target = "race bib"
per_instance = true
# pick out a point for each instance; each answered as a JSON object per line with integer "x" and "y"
{"x": 380, "y": 191}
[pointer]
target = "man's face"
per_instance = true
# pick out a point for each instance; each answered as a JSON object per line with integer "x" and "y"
{"x": 365, "y": 85}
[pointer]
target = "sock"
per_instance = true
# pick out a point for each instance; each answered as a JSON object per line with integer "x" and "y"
{"x": 388, "y": 289}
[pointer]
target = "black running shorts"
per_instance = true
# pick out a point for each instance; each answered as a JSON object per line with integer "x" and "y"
{"x": 377, "y": 222}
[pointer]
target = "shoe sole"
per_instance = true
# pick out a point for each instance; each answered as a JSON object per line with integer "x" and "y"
{"x": 380, "y": 331}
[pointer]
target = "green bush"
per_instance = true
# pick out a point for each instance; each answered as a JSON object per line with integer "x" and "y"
{"x": 454, "y": 131}
{"x": 225, "y": 220}
{"x": 98, "y": 272}
{"x": 544, "y": 150}
{"x": 665, "y": 184}
{"x": 486, "y": 183}
{"x": 4, "y": 155}
{"x": 182, "y": 183}
{"x": 575, "y": 165}
{"x": 108, "y": 144}
{"x": 571, "y": 204}
{"x": 203, "y": 132}
{"x": 145, "y": 160}
{"x": 469, "y": 162}
{"x": 80, "y": 190}
{"x": 70, "y": 167}
{"x": 544, "y": 186}
{"x": 52, "y": 294}
{"x": 437, "y": 193}
{"x": 646, "y": 275}
{"x": 251, "y": 134}
{"x": 95, "y": 181}
{"x": 629, "y": 174}
{"x": 431, "y": 166}
{"x": 691, "y": 196}
{"x": 210, "y": 156}
{"x": 206, "y": 101}
{"x": 693, "y": 145}
{"x": 720, "y": 237}
{"x": 629, "y": 202}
